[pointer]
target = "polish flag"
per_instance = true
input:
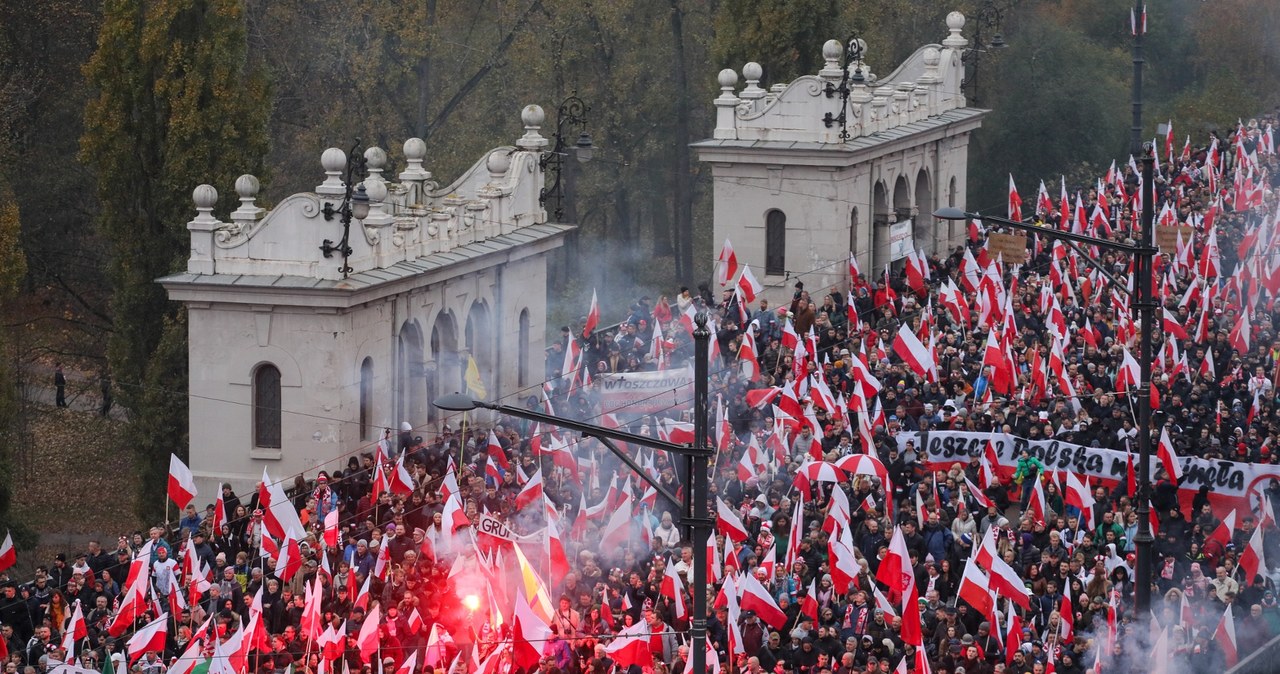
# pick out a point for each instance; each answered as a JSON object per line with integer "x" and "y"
{"x": 1223, "y": 533}
{"x": 151, "y": 637}
{"x": 182, "y": 484}
{"x": 809, "y": 602}
{"x": 1240, "y": 334}
{"x": 1066, "y": 626}
{"x": 1225, "y": 635}
{"x": 1013, "y": 638}
{"x": 494, "y": 448}
{"x": 913, "y": 353}
{"x": 617, "y": 531}
{"x": 531, "y": 492}
{"x": 1077, "y": 494}
{"x": 190, "y": 658}
{"x": 77, "y": 629}
{"x": 362, "y": 597}
{"x": 454, "y": 517}
{"x": 976, "y": 493}
{"x": 728, "y": 522}
{"x": 559, "y": 562}
{"x": 630, "y": 647}
{"x": 401, "y": 482}
{"x": 1251, "y": 558}
{"x": 409, "y": 663}
{"x": 8, "y": 555}
{"x": 747, "y": 359}
{"x": 895, "y": 569}
{"x": 529, "y": 633}
{"x": 367, "y": 641}
{"x": 674, "y": 589}
{"x": 756, "y": 598}
{"x": 1168, "y": 459}
{"x": 727, "y": 264}
{"x": 331, "y": 530}
{"x": 713, "y": 560}
{"x": 1172, "y": 326}
{"x": 748, "y": 284}
{"x": 1129, "y": 374}
{"x": 219, "y": 513}
{"x": 593, "y": 316}
{"x": 974, "y": 589}
{"x": 289, "y": 560}
{"x": 1015, "y": 201}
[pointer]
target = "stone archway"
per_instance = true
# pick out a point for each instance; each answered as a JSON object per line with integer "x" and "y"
{"x": 443, "y": 371}
{"x": 880, "y": 229}
{"x": 478, "y": 338}
{"x": 925, "y": 237}
{"x": 412, "y": 395}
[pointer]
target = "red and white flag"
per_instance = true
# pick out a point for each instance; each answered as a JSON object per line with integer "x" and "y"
{"x": 631, "y": 647}
{"x": 8, "y": 555}
{"x": 531, "y": 492}
{"x": 728, "y": 522}
{"x": 1225, "y": 635}
{"x": 401, "y": 482}
{"x": 529, "y": 633}
{"x": 913, "y": 353}
{"x": 1015, "y": 201}
{"x": 367, "y": 641}
{"x": 289, "y": 560}
{"x": 593, "y": 316}
{"x": 1251, "y": 558}
{"x": 219, "y": 513}
{"x": 182, "y": 484}
{"x": 756, "y": 598}
{"x": 726, "y": 264}
{"x": 151, "y": 637}
{"x": 748, "y": 284}
{"x": 974, "y": 589}
{"x": 1168, "y": 459}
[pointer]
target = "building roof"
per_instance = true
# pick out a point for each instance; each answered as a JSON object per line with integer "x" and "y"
{"x": 854, "y": 145}
{"x": 372, "y": 278}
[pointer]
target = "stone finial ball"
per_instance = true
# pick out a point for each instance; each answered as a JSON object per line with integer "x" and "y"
{"x": 752, "y": 72}
{"x": 533, "y": 115}
{"x": 247, "y": 186}
{"x": 333, "y": 159}
{"x": 955, "y": 21}
{"x": 205, "y": 196}
{"x": 375, "y": 157}
{"x": 831, "y": 50}
{"x": 376, "y": 190}
{"x": 498, "y": 162}
{"x": 932, "y": 56}
{"x": 415, "y": 148}
{"x": 727, "y": 77}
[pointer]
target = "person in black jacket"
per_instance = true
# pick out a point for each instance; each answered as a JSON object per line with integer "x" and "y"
{"x": 13, "y": 612}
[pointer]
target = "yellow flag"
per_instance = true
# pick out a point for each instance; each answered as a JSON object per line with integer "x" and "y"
{"x": 475, "y": 385}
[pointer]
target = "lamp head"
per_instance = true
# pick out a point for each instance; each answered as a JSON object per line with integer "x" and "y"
{"x": 360, "y": 203}
{"x": 455, "y": 402}
{"x": 583, "y": 148}
{"x": 949, "y": 213}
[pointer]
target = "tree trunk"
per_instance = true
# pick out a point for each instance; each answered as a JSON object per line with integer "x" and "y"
{"x": 681, "y": 195}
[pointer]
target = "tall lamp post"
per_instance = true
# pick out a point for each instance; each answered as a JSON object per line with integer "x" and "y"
{"x": 694, "y": 513}
{"x": 991, "y": 16}
{"x": 571, "y": 114}
{"x": 355, "y": 205}
{"x": 1143, "y": 306}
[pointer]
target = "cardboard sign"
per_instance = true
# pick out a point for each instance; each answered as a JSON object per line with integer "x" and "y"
{"x": 1012, "y": 248}
{"x": 901, "y": 241}
{"x": 1167, "y": 237}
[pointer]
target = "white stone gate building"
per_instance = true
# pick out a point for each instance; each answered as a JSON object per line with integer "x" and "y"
{"x": 294, "y": 365}
{"x": 794, "y": 196}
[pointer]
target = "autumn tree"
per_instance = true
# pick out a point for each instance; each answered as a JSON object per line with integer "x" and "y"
{"x": 175, "y": 107}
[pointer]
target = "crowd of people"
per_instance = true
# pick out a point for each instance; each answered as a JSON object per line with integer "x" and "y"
{"x": 396, "y": 559}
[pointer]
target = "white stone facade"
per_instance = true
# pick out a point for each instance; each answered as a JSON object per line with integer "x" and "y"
{"x": 438, "y": 274}
{"x": 779, "y": 167}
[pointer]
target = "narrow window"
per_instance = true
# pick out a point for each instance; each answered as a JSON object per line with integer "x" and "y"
{"x": 522, "y": 362}
{"x": 775, "y": 243}
{"x": 366, "y": 399}
{"x": 266, "y": 406}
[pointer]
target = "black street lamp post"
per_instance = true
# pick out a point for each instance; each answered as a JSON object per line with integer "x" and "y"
{"x": 1143, "y": 306}
{"x": 694, "y": 512}
{"x": 572, "y": 113}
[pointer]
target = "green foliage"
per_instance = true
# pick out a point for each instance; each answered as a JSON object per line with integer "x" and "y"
{"x": 784, "y": 36}
{"x": 175, "y": 107}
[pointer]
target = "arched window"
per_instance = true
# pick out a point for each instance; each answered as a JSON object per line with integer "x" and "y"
{"x": 366, "y": 399}
{"x": 522, "y": 360}
{"x": 266, "y": 406}
{"x": 775, "y": 243}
